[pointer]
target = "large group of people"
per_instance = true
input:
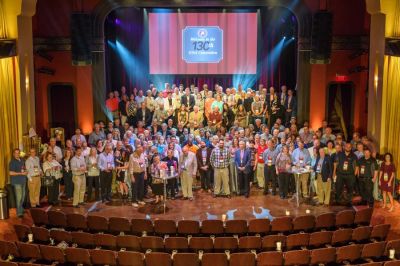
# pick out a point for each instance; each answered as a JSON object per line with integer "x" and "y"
{"x": 224, "y": 140}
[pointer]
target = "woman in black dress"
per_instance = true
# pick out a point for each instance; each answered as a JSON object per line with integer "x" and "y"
{"x": 121, "y": 165}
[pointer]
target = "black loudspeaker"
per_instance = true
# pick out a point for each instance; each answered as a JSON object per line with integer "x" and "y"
{"x": 321, "y": 38}
{"x": 8, "y": 48}
{"x": 81, "y": 39}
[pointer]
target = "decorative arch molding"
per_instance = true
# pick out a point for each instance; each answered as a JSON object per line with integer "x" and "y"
{"x": 298, "y": 8}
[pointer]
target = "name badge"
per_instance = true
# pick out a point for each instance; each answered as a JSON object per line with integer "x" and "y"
{"x": 269, "y": 161}
{"x": 221, "y": 161}
{"x": 301, "y": 161}
{"x": 204, "y": 160}
{"x": 385, "y": 177}
{"x": 214, "y": 121}
{"x": 345, "y": 165}
{"x": 260, "y": 157}
{"x": 318, "y": 168}
{"x": 108, "y": 165}
{"x": 362, "y": 170}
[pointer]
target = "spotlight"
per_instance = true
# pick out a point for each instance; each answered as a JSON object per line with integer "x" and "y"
{"x": 284, "y": 37}
{"x": 293, "y": 38}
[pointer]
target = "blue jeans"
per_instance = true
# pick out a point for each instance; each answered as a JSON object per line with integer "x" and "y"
{"x": 20, "y": 191}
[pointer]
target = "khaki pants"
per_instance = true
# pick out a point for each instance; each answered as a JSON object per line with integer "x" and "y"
{"x": 34, "y": 190}
{"x": 260, "y": 175}
{"x": 123, "y": 119}
{"x": 323, "y": 190}
{"x": 79, "y": 189}
{"x": 186, "y": 183}
{"x": 304, "y": 184}
{"x": 221, "y": 178}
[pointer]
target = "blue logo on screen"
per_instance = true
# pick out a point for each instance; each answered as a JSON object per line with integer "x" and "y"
{"x": 202, "y": 44}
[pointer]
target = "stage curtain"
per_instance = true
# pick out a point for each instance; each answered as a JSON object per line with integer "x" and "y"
{"x": 391, "y": 98}
{"x": 8, "y": 120}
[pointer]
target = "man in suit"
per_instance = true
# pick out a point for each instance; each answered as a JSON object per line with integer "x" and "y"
{"x": 323, "y": 169}
{"x": 188, "y": 100}
{"x": 188, "y": 172}
{"x": 203, "y": 162}
{"x": 290, "y": 107}
{"x": 144, "y": 114}
{"x": 243, "y": 168}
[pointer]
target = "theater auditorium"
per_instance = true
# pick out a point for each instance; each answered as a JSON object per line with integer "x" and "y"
{"x": 199, "y": 132}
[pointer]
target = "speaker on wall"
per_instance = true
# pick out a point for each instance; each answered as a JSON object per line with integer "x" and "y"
{"x": 321, "y": 38}
{"x": 8, "y": 48}
{"x": 81, "y": 39}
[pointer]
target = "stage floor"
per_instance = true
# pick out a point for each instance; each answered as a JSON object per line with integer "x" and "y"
{"x": 204, "y": 206}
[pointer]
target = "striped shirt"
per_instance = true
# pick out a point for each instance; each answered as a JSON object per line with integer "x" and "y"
{"x": 220, "y": 158}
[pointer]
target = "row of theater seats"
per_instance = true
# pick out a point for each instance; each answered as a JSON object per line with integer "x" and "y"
{"x": 372, "y": 254}
{"x": 116, "y": 225}
{"x": 339, "y": 237}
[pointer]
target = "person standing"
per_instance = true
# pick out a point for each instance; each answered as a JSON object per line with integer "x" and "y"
{"x": 386, "y": 179}
{"x": 67, "y": 174}
{"x": 259, "y": 166}
{"x": 106, "y": 165}
{"x": 18, "y": 176}
{"x": 203, "y": 162}
{"x": 344, "y": 170}
{"x": 283, "y": 163}
{"x": 188, "y": 172}
{"x": 301, "y": 158}
{"x": 233, "y": 176}
{"x": 220, "y": 162}
{"x": 290, "y": 107}
{"x": 34, "y": 173}
{"x": 78, "y": 167}
{"x": 138, "y": 173}
{"x": 52, "y": 169}
{"x": 269, "y": 158}
{"x": 367, "y": 173}
{"x": 243, "y": 165}
{"x": 323, "y": 169}
{"x": 172, "y": 164}
{"x": 93, "y": 174}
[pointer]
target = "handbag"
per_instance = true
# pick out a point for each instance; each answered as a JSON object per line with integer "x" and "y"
{"x": 47, "y": 181}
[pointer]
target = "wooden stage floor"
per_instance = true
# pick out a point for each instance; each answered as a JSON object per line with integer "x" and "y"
{"x": 204, "y": 206}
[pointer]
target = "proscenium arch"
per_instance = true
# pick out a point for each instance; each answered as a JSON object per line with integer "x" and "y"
{"x": 297, "y": 7}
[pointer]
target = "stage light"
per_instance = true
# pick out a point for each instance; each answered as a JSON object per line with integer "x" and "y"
{"x": 284, "y": 37}
{"x": 293, "y": 38}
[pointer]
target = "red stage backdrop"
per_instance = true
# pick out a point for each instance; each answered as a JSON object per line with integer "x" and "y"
{"x": 238, "y": 43}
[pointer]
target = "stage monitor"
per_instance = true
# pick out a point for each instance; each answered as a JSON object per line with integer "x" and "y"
{"x": 203, "y": 43}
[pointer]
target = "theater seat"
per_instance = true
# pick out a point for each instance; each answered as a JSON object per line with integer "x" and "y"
{"x": 236, "y": 227}
{"x": 97, "y": 223}
{"x": 119, "y": 225}
{"x": 213, "y": 259}
{"x": 296, "y": 241}
{"x": 22, "y": 232}
{"x": 270, "y": 258}
{"x": 281, "y": 225}
{"x": 319, "y": 239}
{"x": 130, "y": 258}
{"x": 76, "y": 221}
{"x": 225, "y": 243}
{"x": 323, "y": 256}
{"x": 57, "y": 219}
{"x": 39, "y": 217}
{"x": 130, "y": 243}
{"x": 165, "y": 227}
{"x": 325, "y": 221}
{"x": 158, "y": 259}
{"x": 52, "y": 254}
{"x": 141, "y": 226}
{"x": 304, "y": 223}
{"x": 186, "y": 259}
{"x": 153, "y": 243}
{"x": 269, "y": 242}
{"x": 344, "y": 218}
{"x": 241, "y": 259}
{"x": 201, "y": 243}
{"x": 188, "y": 227}
{"x": 249, "y": 243}
{"x": 103, "y": 257}
{"x": 212, "y": 227}
{"x": 259, "y": 226}
{"x": 363, "y": 216}
{"x": 297, "y": 257}
{"x": 78, "y": 256}
{"x": 176, "y": 243}
{"x": 348, "y": 253}
{"x": 380, "y": 231}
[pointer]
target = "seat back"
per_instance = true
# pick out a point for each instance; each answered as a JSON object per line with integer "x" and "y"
{"x": 248, "y": 243}
{"x": 76, "y": 221}
{"x": 28, "y": 251}
{"x": 212, "y": 227}
{"x": 158, "y": 259}
{"x": 318, "y": 239}
{"x": 8, "y": 248}
{"x": 201, "y": 243}
{"x": 154, "y": 243}
{"x": 373, "y": 250}
{"x": 52, "y": 253}
{"x": 361, "y": 234}
{"x": 325, "y": 221}
{"x": 225, "y": 243}
{"x": 40, "y": 235}
{"x": 244, "y": 258}
{"x": 176, "y": 243}
{"x": 188, "y": 227}
{"x": 131, "y": 243}
{"x": 165, "y": 227}
{"x": 380, "y": 231}
{"x": 185, "y": 259}
{"x": 259, "y": 226}
{"x": 297, "y": 257}
{"x": 345, "y": 218}
{"x": 349, "y": 253}
{"x": 269, "y": 242}
{"x": 60, "y": 235}
{"x": 97, "y": 223}
{"x": 236, "y": 227}
{"x": 304, "y": 223}
{"x": 342, "y": 236}
{"x": 57, "y": 218}
{"x": 130, "y": 258}
{"x": 119, "y": 224}
{"x": 103, "y": 257}
{"x": 363, "y": 216}
{"x": 282, "y": 224}
{"x": 77, "y": 256}
{"x": 106, "y": 241}
{"x": 138, "y": 226}
{"x": 270, "y": 258}
{"x": 22, "y": 232}
{"x": 39, "y": 216}
{"x": 295, "y": 241}
{"x": 212, "y": 259}
{"x": 323, "y": 256}
{"x": 83, "y": 239}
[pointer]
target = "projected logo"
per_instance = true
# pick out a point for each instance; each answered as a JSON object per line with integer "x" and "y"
{"x": 202, "y": 44}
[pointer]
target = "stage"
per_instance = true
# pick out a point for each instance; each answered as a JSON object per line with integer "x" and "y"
{"x": 204, "y": 206}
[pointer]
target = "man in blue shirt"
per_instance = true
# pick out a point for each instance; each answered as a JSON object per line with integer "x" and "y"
{"x": 269, "y": 157}
{"x": 301, "y": 158}
{"x": 18, "y": 180}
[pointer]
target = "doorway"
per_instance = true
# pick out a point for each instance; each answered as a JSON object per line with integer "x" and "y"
{"x": 340, "y": 107}
{"x": 61, "y": 102}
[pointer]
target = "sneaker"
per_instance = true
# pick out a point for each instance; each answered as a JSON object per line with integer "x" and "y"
{"x": 135, "y": 205}
{"x": 142, "y": 203}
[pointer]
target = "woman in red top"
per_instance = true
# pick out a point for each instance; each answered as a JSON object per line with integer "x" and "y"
{"x": 386, "y": 177}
